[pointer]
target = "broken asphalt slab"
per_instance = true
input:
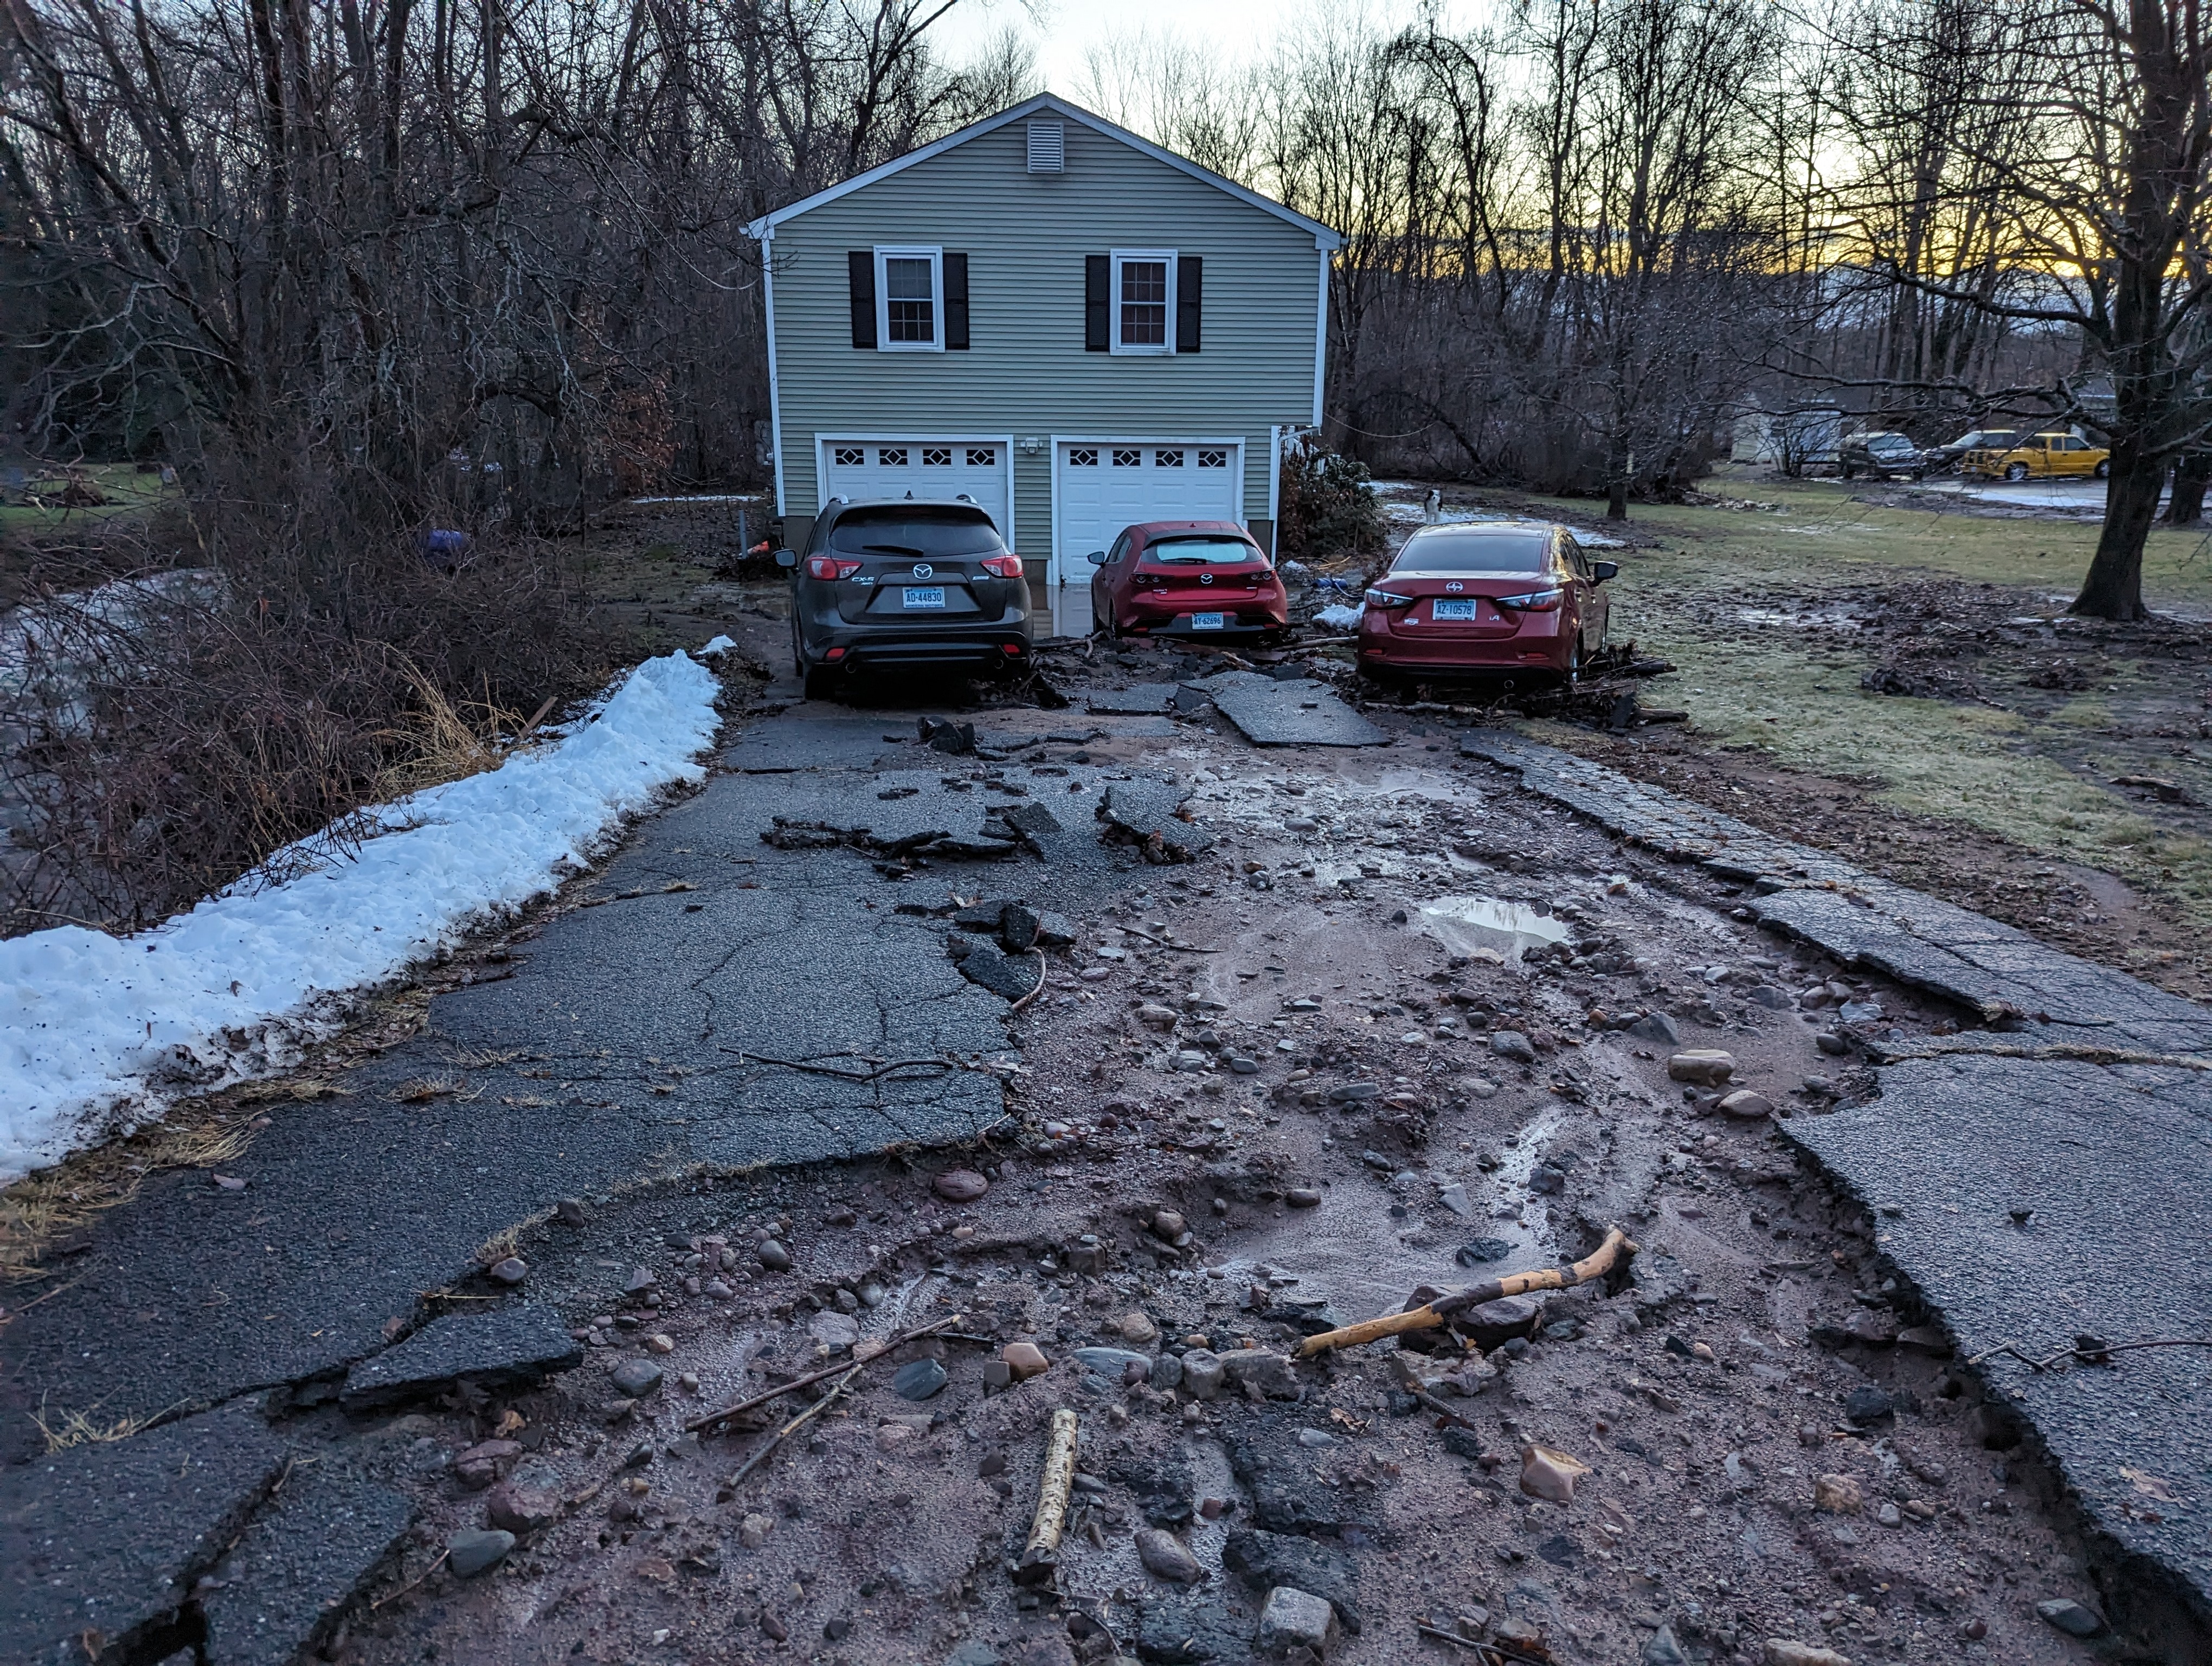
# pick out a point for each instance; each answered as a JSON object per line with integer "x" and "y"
{"x": 2035, "y": 1182}
{"x": 1269, "y": 711}
{"x": 499, "y": 1347}
{"x": 1145, "y": 700}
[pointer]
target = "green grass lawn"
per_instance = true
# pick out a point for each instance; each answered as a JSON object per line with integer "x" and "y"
{"x": 127, "y": 491}
{"x": 1716, "y": 592}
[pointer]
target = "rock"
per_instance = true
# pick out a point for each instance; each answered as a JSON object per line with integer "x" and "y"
{"x": 1766, "y": 995}
{"x": 641, "y": 1279}
{"x": 1784, "y": 1652}
{"x": 1454, "y": 1197}
{"x": 2069, "y": 1616}
{"x": 1663, "y": 1651}
{"x": 1167, "y": 1372}
{"x": 468, "y": 1553}
{"x": 520, "y": 1509}
{"x": 571, "y": 1212}
{"x": 1203, "y": 1373}
{"x": 773, "y": 1255}
{"x": 511, "y": 1270}
{"x": 1239, "y": 1065}
{"x": 1512, "y": 1044}
{"x": 507, "y": 1346}
{"x": 1260, "y": 1368}
{"x": 1480, "y": 1252}
{"x": 1656, "y": 1026}
{"x": 1868, "y": 1404}
{"x": 1707, "y": 1066}
{"x": 834, "y": 1330}
{"x": 1838, "y": 1495}
{"x": 1492, "y": 1324}
{"x": 960, "y": 1185}
{"x": 1544, "y": 1180}
{"x": 918, "y": 1380}
{"x": 1549, "y": 1474}
{"x": 1165, "y": 1557}
{"x": 1137, "y": 1328}
{"x": 1263, "y": 1560}
{"x": 479, "y": 1466}
{"x": 1890, "y": 1515}
{"x": 1154, "y": 1016}
{"x": 1460, "y": 1443}
{"x": 636, "y": 1378}
{"x": 1168, "y": 1225}
{"x": 1017, "y": 929}
{"x": 753, "y": 1531}
{"x": 658, "y": 1343}
{"x": 1108, "y": 1363}
{"x": 1302, "y": 1197}
{"x": 1024, "y": 1360}
{"x": 1745, "y": 1104}
{"x": 1834, "y": 1045}
{"x": 1925, "y": 1339}
{"x": 1004, "y": 977}
{"x": 1294, "y": 1619}
{"x": 1055, "y": 931}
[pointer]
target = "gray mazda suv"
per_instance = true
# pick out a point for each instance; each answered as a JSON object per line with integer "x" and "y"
{"x": 885, "y": 585}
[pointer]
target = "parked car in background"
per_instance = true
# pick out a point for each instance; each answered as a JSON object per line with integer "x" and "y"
{"x": 1513, "y": 597}
{"x": 1185, "y": 578}
{"x": 1881, "y": 453}
{"x": 894, "y": 584}
{"x": 2039, "y": 457}
{"x": 1939, "y": 457}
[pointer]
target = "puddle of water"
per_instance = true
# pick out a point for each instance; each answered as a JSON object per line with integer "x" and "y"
{"x": 1776, "y": 616}
{"x": 1483, "y": 925}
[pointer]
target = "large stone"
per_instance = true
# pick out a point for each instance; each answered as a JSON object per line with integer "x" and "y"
{"x": 987, "y": 964}
{"x": 321, "y": 1535}
{"x": 1166, "y": 1557}
{"x": 1656, "y": 1026}
{"x": 1492, "y": 1324}
{"x": 1707, "y": 1067}
{"x": 1512, "y": 1044}
{"x": 834, "y": 1330}
{"x": 636, "y": 1378}
{"x": 960, "y": 1185}
{"x": 1259, "y": 1368}
{"x": 1293, "y": 1619}
{"x": 1787, "y": 1651}
{"x": 100, "y": 1537}
{"x": 2069, "y": 1616}
{"x": 1109, "y": 1363}
{"x": 507, "y": 1346}
{"x": 478, "y": 1550}
{"x": 1745, "y": 1105}
{"x": 1838, "y": 1495}
{"x": 1203, "y": 1373}
{"x": 1549, "y": 1474}
{"x": 1024, "y": 1360}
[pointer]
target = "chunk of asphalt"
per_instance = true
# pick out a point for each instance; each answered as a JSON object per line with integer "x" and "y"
{"x": 1145, "y": 700}
{"x": 108, "y": 1538}
{"x": 1262, "y": 1560}
{"x": 1135, "y": 810}
{"x": 506, "y": 1347}
{"x": 1269, "y": 712}
{"x": 322, "y": 1535}
{"x": 987, "y": 964}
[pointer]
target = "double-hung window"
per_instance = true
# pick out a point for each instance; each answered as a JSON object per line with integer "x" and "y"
{"x": 909, "y": 300}
{"x": 1143, "y": 307}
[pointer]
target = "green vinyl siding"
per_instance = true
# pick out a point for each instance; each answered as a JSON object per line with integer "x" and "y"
{"x": 1026, "y": 373}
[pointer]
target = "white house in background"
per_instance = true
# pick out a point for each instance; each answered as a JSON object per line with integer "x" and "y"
{"x": 1074, "y": 327}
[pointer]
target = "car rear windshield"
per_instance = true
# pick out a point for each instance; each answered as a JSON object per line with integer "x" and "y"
{"x": 911, "y": 532}
{"x": 1506, "y": 553}
{"x": 1214, "y": 551}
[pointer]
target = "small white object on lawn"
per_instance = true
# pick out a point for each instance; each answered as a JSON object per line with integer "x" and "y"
{"x": 96, "y": 1030}
{"x": 1338, "y": 617}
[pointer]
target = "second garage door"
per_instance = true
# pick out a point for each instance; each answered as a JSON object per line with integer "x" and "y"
{"x": 1100, "y": 487}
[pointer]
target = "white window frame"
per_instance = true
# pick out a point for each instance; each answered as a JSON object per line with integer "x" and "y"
{"x": 1116, "y": 258}
{"x": 934, "y": 254}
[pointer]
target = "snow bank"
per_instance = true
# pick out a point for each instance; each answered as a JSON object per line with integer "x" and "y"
{"x": 95, "y": 1030}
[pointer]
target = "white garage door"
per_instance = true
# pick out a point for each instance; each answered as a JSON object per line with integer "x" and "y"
{"x": 927, "y": 470}
{"x": 1100, "y": 487}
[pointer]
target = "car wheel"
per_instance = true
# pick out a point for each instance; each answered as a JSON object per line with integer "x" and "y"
{"x": 2015, "y": 472}
{"x": 821, "y": 683}
{"x": 1848, "y": 471}
{"x": 1574, "y": 676}
{"x": 2104, "y": 470}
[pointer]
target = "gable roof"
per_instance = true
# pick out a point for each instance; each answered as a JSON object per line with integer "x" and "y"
{"x": 1045, "y": 104}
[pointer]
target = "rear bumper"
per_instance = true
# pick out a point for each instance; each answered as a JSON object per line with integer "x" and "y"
{"x": 1239, "y": 617}
{"x": 1535, "y": 649}
{"x": 972, "y": 646}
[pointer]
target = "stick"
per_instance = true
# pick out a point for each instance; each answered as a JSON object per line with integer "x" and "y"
{"x": 1482, "y": 1649}
{"x": 1162, "y": 943}
{"x": 1594, "y": 1264}
{"x": 1044, "y": 973}
{"x": 1042, "y": 1554}
{"x": 742, "y": 1406}
{"x": 795, "y": 1424}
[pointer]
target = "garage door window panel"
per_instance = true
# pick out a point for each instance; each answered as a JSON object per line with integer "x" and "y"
{"x": 1144, "y": 301}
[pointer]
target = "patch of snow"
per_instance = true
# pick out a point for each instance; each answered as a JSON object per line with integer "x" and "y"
{"x": 1414, "y": 514}
{"x": 1599, "y": 540}
{"x": 716, "y": 648}
{"x": 708, "y": 497}
{"x": 1340, "y": 618}
{"x": 97, "y": 1031}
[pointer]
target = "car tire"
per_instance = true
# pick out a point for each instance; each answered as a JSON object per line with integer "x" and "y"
{"x": 2104, "y": 470}
{"x": 2016, "y": 472}
{"x": 1849, "y": 472}
{"x": 821, "y": 682}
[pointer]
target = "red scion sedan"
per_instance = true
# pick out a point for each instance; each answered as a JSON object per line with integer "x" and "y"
{"x": 1516, "y": 598}
{"x": 1186, "y": 578}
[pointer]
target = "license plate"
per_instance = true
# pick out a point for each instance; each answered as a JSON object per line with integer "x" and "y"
{"x": 931, "y": 596}
{"x": 1453, "y": 610}
{"x": 1207, "y": 621}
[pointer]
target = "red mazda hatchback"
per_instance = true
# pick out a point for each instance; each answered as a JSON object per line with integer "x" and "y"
{"x": 1185, "y": 578}
{"x": 1512, "y": 596}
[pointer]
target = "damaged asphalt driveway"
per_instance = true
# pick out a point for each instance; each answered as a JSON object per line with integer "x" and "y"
{"x": 932, "y": 1079}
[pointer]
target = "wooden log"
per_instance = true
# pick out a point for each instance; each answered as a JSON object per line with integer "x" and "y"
{"x": 1600, "y": 1261}
{"x": 1041, "y": 1555}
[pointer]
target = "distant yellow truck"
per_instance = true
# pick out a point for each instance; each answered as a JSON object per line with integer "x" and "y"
{"x": 2040, "y": 457}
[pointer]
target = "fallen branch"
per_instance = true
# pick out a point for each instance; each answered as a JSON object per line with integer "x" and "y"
{"x": 795, "y": 1425}
{"x": 1161, "y": 942}
{"x": 1044, "y": 976}
{"x": 1596, "y": 1265}
{"x": 744, "y": 1405}
{"x": 1041, "y": 1555}
{"x": 2090, "y": 1350}
{"x": 1481, "y": 1648}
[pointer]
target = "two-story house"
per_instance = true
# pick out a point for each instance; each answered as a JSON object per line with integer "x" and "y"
{"x": 1074, "y": 327}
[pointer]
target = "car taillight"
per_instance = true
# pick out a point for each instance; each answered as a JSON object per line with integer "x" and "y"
{"x": 1003, "y": 567}
{"x": 1534, "y": 601}
{"x": 1388, "y": 599}
{"x": 829, "y": 567}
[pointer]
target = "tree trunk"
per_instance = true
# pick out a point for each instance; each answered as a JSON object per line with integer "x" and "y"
{"x": 2113, "y": 589}
{"x": 2191, "y": 476}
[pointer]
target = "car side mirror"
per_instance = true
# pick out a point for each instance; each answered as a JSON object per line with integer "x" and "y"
{"x": 1097, "y": 559}
{"x": 787, "y": 558}
{"x": 1605, "y": 569}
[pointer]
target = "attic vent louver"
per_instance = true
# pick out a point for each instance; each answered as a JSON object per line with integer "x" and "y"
{"x": 1047, "y": 147}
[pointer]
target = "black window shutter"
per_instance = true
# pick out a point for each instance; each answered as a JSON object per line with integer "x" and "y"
{"x": 1190, "y": 294}
{"x": 956, "y": 303}
{"x": 860, "y": 278}
{"x": 1095, "y": 304}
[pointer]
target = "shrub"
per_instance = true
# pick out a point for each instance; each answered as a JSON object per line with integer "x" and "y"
{"x": 1326, "y": 505}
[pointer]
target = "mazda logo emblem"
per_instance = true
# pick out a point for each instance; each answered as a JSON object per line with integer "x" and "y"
{"x": 922, "y": 569}
{"x": 1206, "y": 578}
